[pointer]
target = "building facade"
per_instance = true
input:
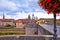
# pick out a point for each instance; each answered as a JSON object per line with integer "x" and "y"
{"x": 21, "y": 22}
{"x": 5, "y": 21}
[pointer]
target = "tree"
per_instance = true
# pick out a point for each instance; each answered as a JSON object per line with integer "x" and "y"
{"x": 51, "y": 6}
{"x": 7, "y": 25}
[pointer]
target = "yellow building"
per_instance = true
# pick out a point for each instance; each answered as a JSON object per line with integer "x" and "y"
{"x": 40, "y": 21}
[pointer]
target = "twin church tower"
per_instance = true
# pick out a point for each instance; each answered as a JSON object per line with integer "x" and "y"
{"x": 33, "y": 17}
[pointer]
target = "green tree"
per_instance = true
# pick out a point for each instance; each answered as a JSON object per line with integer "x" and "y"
{"x": 7, "y": 25}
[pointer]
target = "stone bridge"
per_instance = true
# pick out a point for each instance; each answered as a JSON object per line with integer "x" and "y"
{"x": 43, "y": 34}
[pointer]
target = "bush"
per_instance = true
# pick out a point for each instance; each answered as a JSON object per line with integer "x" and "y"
{"x": 7, "y": 25}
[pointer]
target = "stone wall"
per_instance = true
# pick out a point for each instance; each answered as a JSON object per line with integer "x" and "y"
{"x": 41, "y": 37}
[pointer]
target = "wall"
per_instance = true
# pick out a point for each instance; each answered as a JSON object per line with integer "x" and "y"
{"x": 25, "y": 37}
{"x": 31, "y": 31}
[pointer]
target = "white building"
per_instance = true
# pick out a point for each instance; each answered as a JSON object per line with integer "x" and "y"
{"x": 4, "y": 21}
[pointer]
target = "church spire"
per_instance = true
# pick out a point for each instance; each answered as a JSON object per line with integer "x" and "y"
{"x": 3, "y": 16}
{"x": 28, "y": 16}
{"x": 32, "y": 16}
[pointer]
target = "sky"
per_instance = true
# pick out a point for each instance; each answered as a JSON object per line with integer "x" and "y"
{"x": 19, "y": 9}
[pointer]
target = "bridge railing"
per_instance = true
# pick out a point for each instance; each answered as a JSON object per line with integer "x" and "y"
{"x": 44, "y": 31}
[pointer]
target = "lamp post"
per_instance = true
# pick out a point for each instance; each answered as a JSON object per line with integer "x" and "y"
{"x": 55, "y": 28}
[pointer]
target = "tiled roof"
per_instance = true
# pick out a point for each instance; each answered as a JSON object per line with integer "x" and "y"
{"x": 26, "y": 20}
{"x": 7, "y": 20}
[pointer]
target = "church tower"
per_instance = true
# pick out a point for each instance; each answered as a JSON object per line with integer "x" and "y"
{"x": 29, "y": 17}
{"x": 33, "y": 16}
{"x": 3, "y": 16}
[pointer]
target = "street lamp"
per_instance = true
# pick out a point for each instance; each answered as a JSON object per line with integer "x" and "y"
{"x": 55, "y": 28}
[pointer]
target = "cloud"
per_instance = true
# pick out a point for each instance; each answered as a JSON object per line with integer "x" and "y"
{"x": 36, "y": 14}
{"x": 19, "y": 9}
{"x": 5, "y": 4}
{"x": 23, "y": 15}
{"x": 19, "y": 5}
{"x": 20, "y": 15}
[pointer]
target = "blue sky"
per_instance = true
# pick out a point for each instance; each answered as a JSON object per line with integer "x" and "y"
{"x": 21, "y": 9}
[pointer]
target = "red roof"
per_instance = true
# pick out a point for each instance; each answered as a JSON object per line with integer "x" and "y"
{"x": 26, "y": 21}
{"x": 7, "y": 20}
